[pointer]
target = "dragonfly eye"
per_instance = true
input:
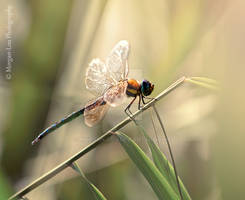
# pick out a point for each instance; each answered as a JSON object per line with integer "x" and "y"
{"x": 146, "y": 87}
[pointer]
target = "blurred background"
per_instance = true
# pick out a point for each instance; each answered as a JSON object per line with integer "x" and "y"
{"x": 45, "y": 49}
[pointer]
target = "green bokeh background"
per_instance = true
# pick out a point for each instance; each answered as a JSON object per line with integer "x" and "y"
{"x": 52, "y": 44}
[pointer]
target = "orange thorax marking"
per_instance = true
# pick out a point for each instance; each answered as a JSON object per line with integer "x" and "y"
{"x": 133, "y": 88}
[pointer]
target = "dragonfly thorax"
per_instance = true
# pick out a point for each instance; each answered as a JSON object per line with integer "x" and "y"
{"x": 133, "y": 88}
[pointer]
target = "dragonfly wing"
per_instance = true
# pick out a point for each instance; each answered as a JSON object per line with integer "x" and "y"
{"x": 115, "y": 95}
{"x": 97, "y": 79}
{"x": 117, "y": 61}
{"x": 95, "y": 111}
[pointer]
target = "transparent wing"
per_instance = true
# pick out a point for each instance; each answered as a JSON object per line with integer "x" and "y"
{"x": 97, "y": 78}
{"x": 115, "y": 95}
{"x": 95, "y": 111}
{"x": 117, "y": 61}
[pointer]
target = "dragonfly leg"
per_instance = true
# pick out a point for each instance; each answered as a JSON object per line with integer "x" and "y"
{"x": 127, "y": 109}
{"x": 139, "y": 105}
{"x": 144, "y": 97}
{"x": 128, "y": 113}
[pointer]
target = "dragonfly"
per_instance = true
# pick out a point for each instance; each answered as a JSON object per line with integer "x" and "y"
{"x": 109, "y": 82}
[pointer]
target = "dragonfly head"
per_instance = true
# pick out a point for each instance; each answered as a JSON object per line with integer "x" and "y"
{"x": 146, "y": 87}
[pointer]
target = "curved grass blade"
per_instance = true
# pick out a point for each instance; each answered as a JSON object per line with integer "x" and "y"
{"x": 154, "y": 128}
{"x": 170, "y": 150}
{"x": 96, "y": 193}
{"x": 164, "y": 166}
{"x": 157, "y": 181}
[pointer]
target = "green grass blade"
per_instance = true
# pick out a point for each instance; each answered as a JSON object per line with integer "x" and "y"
{"x": 157, "y": 181}
{"x": 163, "y": 165}
{"x": 96, "y": 193}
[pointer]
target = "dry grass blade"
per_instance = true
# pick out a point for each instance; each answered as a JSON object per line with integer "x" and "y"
{"x": 204, "y": 82}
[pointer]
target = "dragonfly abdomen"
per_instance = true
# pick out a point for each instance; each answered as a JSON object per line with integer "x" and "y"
{"x": 58, "y": 124}
{"x": 100, "y": 101}
{"x": 95, "y": 111}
